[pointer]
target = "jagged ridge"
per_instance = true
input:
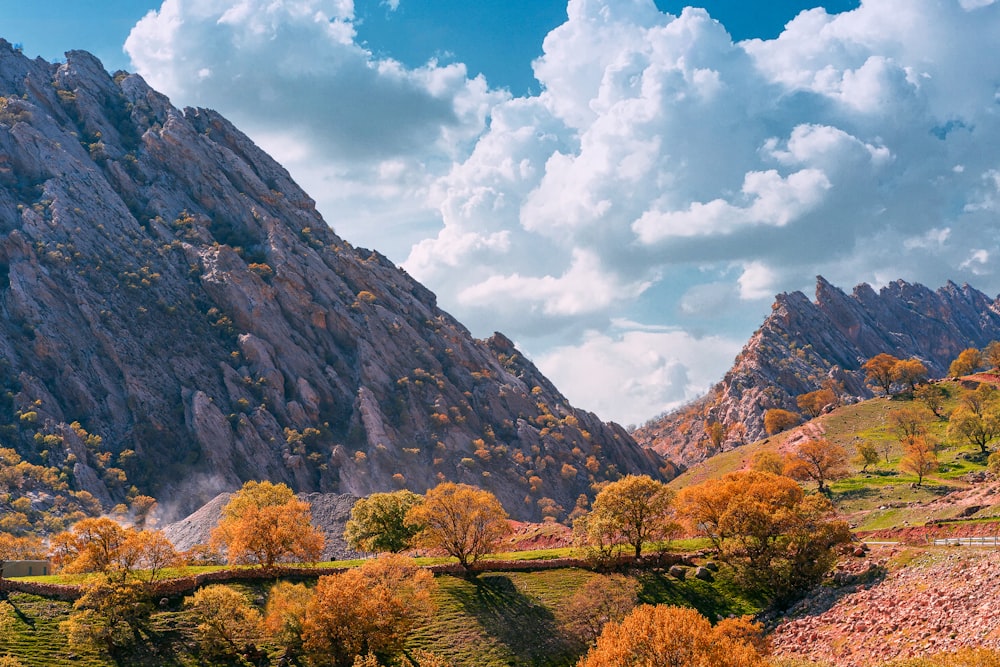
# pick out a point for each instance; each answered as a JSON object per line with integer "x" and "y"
{"x": 164, "y": 283}
{"x": 804, "y": 343}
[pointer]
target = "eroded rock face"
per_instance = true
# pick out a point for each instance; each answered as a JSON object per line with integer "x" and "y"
{"x": 166, "y": 285}
{"x": 804, "y": 345}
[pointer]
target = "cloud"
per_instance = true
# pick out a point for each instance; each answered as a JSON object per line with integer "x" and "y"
{"x": 635, "y": 372}
{"x": 363, "y": 134}
{"x": 662, "y": 172}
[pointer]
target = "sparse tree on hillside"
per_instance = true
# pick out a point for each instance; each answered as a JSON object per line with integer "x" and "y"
{"x": 980, "y": 430}
{"x": 145, "y": 553}
{"x": 980, "y": 399}
{"x": 767, "y": 460}
{"x": 991, "y": 353}
{"x": 466, "y": 522}
{"x": 819, "y": 460}
{"x": 778, "y": 540}
{"x": 866, "y": 456}
{"x": 879, "y": 370}
{"x": 90, "y": 545}
{"x": 715, "y": 433}
{"x": 777, "y": 420}
{"x": 813, "y": 402}
{"x": 931, "y": 395}
{"x": 967, "y": 362}
{"x": 665, "y": 636}
{"x": 919, "y": 458}
{"x": 638, "y": 509}
{"x": 909, "y": 372}
{"x": 910, "y": 421}
{"x": 265, "y": 523}
{"x": 378, "y": 522}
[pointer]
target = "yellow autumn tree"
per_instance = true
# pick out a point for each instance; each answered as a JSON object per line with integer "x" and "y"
{"x": 464, "y": 521}
{"x": 366, "y": 610}
{"x": 265, "y": 523}
{"x": 666, "y": 636}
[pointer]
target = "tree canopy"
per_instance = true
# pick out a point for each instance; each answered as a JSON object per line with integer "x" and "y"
{"x": 378, "y": 522}
{"x": 265, "y": 523}
{"x": 777, "y": 539}
{"x": 636, "y": 509}
{"x": 464, "y": 521}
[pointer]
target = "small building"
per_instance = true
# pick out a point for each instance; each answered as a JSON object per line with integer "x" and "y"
{"x": 24, "y": 568}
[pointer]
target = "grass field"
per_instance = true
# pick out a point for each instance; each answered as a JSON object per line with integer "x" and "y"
{"x": 494, "y": 620}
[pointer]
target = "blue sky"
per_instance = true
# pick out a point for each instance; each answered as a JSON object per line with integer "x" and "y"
{"x": 621, "y": 186}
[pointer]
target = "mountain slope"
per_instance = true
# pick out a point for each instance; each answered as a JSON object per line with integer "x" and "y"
{"x": 175, "y": 309}
{"x": 805, "y": 344}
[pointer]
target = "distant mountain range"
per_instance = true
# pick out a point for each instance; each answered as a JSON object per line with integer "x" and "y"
{"x": 177, "y": 316}
{"x": 804, "y": 345}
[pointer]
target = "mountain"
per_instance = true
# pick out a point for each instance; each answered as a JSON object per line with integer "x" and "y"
{"x": 804, "y": 345}
{"x": 177, "y": 316}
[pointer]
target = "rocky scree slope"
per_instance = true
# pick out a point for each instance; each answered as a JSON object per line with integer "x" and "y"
{"x": 804, "y": 345}
{"x": 174, "y": 310}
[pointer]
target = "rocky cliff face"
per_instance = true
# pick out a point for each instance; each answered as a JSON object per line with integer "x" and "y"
{"x": 175, "y": 311}
{"x": 804, "y": 345}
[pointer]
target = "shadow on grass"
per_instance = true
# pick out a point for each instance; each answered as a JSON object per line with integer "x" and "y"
{"x": 526, "y": 627}
{"x": 716, "y": 600}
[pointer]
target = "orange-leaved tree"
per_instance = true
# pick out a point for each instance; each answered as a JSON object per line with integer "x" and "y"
{"x": 265, "y": 523}
{"x": 636, "y": 509}
{"x": 819, "y": 460}
{"x": 464, "y": 521}
{"x": 777, "y": 420}
{"x": 879, "y": 371}
{"x": 365, "y": 610}
{"x": 666, "y": 636}
{"x": 919, "y": 457}
{"x": 778, "y": 540}
{"x": 812, "y": 403}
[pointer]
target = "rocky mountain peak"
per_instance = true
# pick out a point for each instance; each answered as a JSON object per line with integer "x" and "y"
{"x": 805, "y": 345}
{"x": 177, "y": 316}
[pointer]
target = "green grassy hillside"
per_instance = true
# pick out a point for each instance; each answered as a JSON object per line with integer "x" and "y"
{"x": 497, "y": 619}
{"x": 883, "y": 496}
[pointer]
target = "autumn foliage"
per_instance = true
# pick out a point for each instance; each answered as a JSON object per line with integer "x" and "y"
{"x": 778, "y": 540}
{"x": 265, "y": 523}
{"x": 464, "y": 521}
{"x": 664, "y": 636}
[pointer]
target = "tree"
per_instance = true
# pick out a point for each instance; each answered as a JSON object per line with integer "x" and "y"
{"x": 980, "y": 399}
{"x": 466, "y": 522}
{"x": 979, "y": 430}
{"x": 931, "y": 395}
{"x": 767, "y": 460}
{"x": 819, "y": 460}
{"x": 967, "y": 362}
{"x": 866, "y": 456}
{"x": 638, "y": 508}
{"x": 813, "y": 402}
{"x": 145, "y": 553}
{"x": 602, "y": 600}
{"x": 778, "y": 540}
{"x": 878, "y": 371}
{"x": 919, "y": 458}
{"x": 378, "y": 522}
{"x": 991, "y": 353}
{"x": 265, "y": 523}
{"x": 665, "y": 636}
{"x": 715, "y": 432}
{"x": 909, "y": 372}
{"x": 91, "y": 545}
{"x": 777, "y": 420}
{"x": 365, "y": 610}
{"x": 909, "y": 421}
{"x": 111, "y": 614}
{"x": 230, "y": 625}
{"x": 27, "y": 547}
{"x": 285, "y": 615}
